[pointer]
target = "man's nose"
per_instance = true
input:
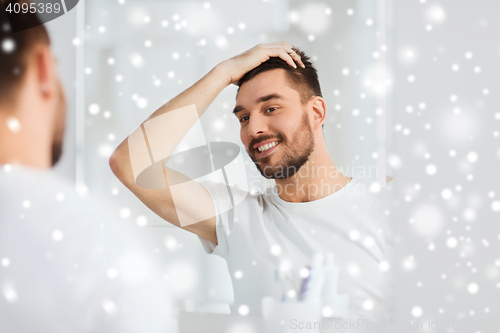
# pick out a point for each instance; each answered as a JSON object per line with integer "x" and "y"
{"x": 257, "y": 125}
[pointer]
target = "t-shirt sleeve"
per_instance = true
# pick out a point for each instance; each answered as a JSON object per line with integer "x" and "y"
{"x": 224, "y": 197}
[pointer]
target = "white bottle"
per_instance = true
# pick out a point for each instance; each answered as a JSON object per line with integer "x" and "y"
{"x": 331, "y": 277}
{"x": 312, "y": 286}
{"x": 338, "y": 304}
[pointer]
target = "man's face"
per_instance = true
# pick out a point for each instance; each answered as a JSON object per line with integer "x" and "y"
{"x": 59, "y": 126}
{"x": 271, "y": 113}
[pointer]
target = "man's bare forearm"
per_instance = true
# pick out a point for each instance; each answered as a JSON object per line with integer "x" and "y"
{"x": 201, "y": 95}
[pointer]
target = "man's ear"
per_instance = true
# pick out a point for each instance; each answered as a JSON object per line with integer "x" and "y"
{"x": 319, "y": 111}
{"x": 42, "y": 64}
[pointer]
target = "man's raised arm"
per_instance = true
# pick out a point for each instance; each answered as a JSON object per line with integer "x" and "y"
{"x": 156, "y": 139}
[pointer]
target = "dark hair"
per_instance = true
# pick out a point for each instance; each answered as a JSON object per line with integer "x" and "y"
{"x": 16, "y": 47}
{"x": 303, "y": 80}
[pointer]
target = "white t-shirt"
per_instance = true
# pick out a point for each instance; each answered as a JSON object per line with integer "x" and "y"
{"x": 68, "y": 266}
{"x": 264, "y": 231}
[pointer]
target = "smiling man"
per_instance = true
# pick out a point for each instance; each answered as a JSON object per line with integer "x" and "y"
{"x": 287, "y": 107}
{"x": 283, "y": 129}
{"x": 259, "y": 152}
{"x": 267, "y": 238}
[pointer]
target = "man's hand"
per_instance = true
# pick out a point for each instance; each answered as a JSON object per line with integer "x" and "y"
{"x": 237, "y": 66}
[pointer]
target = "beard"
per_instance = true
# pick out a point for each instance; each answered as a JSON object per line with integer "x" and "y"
{"x": 58, "y": 140}
{"x": 294, "y": 154}
{"x": 57, "y": 150}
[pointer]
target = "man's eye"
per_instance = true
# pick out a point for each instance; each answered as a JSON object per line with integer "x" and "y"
{"x": 270, "y": 109}
{"x": 243, "y": 119}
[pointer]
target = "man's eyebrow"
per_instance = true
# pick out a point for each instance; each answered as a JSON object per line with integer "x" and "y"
{"x": 266, "y": 98}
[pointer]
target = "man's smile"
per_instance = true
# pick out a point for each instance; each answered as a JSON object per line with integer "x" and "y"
{"x": 266, "y": 147}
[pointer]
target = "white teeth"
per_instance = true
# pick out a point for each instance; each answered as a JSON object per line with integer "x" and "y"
{"x": 267, "y": 146}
